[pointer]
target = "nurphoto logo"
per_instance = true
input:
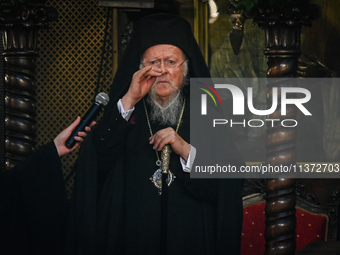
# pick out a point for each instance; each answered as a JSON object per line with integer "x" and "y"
{"x": 238, "y": 100}
{"x": 204, "y": 97}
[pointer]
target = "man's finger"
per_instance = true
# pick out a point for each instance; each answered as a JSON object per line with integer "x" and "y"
{"x": 144, "y": 70}
{"x": 161, "y": 140}
{"x": 149, "y": 71}
{"x": 152, "y": 72}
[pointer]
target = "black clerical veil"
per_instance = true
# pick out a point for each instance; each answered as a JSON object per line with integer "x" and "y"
{"x": 99, "y": 197}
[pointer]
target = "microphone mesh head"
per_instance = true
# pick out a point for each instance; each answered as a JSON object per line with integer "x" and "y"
{"x": 102, "y": 98}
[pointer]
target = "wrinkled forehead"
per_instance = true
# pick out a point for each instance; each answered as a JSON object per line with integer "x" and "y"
{"x": 163, "y": 51}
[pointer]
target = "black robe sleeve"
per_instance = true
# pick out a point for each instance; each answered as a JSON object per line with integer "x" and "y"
{"x": 34, "y": 205}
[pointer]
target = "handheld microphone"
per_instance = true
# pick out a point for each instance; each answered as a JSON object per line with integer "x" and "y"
{"x": 102, "y": 99}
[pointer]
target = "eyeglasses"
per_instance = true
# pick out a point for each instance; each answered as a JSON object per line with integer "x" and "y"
{"x": 168, "y": 63}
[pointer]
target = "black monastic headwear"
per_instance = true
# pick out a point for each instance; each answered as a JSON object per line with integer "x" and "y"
{"x": 152, "y": 30}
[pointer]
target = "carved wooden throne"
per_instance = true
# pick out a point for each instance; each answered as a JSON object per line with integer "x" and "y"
{"x": 313, "y": 222}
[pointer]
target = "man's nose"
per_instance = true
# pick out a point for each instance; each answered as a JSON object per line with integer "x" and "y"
{"x": 163, "y": 67}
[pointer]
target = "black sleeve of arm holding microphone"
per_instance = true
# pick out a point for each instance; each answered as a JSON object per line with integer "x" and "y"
{"x": 34, "y": 205}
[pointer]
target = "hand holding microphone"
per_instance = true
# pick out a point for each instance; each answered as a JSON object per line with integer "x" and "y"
{"x": 101, "y": 100}
{"x": 59, "y": 141}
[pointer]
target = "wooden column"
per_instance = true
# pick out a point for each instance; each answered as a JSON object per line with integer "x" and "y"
{"x": 2, "y": 109}
{"x": 282, "y": 25}
{"x": 20, "y": 25}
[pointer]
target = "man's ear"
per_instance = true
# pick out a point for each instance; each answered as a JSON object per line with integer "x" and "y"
{"x": 186, "y": 68}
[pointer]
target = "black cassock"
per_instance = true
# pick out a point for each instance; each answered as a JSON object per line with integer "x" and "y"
{"x": 204, "y": 216}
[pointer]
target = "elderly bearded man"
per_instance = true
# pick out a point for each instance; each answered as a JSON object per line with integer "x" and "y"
{"x": 116, "y": 209}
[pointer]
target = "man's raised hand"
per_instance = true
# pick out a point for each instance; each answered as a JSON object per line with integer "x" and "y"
{"x": 141, "y": 83}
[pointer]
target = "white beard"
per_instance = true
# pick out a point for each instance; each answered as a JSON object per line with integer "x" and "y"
{"x": 170, "y": 112}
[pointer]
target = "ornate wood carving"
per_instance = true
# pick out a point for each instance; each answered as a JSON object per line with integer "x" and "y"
{"x": 282, "y": 27}
{"x": 2, "y": 110}
{"x": 20, "y": 24}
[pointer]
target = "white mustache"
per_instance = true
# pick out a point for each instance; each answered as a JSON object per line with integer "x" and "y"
{"x": 159, "y": 79}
